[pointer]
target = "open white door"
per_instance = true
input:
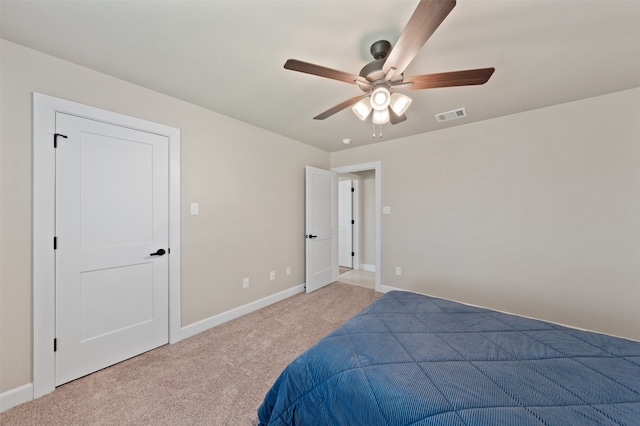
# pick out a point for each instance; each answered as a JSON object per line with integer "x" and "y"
{"x": 321, "y": 228}
{"x": 112, "y": 235}
{"x": 345, "y": 224}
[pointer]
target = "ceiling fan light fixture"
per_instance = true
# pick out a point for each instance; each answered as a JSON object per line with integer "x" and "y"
{"x": 380, "y": 116}
{"x": 362, "y": 108}
{"x": 380, "y": 99}
{"x": 385, "y": 74}
{"x": 399, "y": 103}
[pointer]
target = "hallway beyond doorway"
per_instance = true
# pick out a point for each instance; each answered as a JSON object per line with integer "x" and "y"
{"x": 358, "y": 277}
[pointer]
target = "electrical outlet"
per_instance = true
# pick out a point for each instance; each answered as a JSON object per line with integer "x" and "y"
{"x": 245, "y": 283}
{"x": 272, "y": 275}
{"x": 398, "y": 270}
{"x": 288, "y": 270}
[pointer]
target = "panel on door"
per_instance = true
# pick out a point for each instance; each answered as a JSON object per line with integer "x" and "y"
{"x": 321, "y": 228}
{"x": 345, "y": 224}
{"x": 111, "y": 220}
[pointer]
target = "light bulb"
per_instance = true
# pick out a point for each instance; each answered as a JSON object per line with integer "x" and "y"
{"x": 399, "y": 103}
{"x": 362, "y": 108}
{"x": 380, "y": 99}
{"x": 380, "y": 117}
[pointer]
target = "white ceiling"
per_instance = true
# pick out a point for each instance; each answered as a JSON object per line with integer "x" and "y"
{"x": 228, "y": 56}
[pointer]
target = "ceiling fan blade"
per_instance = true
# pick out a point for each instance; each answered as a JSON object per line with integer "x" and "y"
{"x": 395, "y": 118}
{"x": 319, "y": 70}
{"x": 449, "y": 79}
{"x": 423, "y": 23}
{"x": 339, "y": 107}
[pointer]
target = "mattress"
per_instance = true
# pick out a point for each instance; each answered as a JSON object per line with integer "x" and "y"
{"x": 410, "y": 359}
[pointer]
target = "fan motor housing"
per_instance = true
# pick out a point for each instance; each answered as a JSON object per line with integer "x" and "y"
{"x": 373, "y": 70}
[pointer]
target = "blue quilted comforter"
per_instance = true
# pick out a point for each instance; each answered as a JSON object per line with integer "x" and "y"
{"x": 410, "y": 359}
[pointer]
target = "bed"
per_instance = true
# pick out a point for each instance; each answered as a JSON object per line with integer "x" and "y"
{"x": 410, "y": 359}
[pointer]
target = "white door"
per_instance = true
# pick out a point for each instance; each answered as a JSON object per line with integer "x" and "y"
{"x": 111, "y": 222}
{"x": 321, "y": 228}
{"x": 345, "y": 224}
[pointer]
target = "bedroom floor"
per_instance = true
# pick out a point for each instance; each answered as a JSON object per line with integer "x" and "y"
{"x": 217, "y": 377}
{"x": 358, "y": 277}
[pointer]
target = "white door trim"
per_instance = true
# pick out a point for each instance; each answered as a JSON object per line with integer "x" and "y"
{"x": 43, "y": 168}
{"x": 377, "y": 167}
{"x": 355, "y": 230}
{"x": 348, "y": 259}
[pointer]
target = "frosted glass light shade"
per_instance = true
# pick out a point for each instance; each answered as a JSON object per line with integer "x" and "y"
{"x": 399, "y": 103}
{"x": 362, "y": 108}
{"x": 380, "y": 99}
{"x": 380, "y": 117}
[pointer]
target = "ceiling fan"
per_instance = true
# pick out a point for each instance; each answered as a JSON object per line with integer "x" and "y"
{"x": 380, "y": 78}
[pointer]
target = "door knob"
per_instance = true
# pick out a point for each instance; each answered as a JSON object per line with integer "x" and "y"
{"x": 312, "y": 236}
{"x": 160, "y": 252}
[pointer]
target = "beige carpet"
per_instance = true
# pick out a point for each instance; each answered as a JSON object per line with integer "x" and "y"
{"x": 218, "y": 377}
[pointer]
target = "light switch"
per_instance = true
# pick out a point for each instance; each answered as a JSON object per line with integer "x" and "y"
{"x": 195, "y": 209}
{"x": 386, "y": 210}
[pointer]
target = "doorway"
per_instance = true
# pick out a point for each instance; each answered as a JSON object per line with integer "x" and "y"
{"x": 356, "y": 211}
{"x": 366, "y": 272}
{"x": 45, "y": 109}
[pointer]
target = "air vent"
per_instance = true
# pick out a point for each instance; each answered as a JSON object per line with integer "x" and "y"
{"x": 451, "y": 115}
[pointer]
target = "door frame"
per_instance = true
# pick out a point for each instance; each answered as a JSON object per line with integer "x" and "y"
{"x": 43, "y": 224}
{"x": 351, "y": 220}
{"x": 376, "y": 166}
{"x": 355, "y": 213}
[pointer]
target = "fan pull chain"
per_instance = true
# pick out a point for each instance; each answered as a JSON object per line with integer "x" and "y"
{"x": 379, "y": 130}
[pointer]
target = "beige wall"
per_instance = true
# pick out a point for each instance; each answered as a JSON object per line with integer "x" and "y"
{"x": 249, "y": 184}
{"x": 536, "y": 213}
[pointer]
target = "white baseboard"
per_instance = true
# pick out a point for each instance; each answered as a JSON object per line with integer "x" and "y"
{"x": 387, "y": 289}
{"x": 16, "y": 396}
{"x": 369, "y": 268}
{"x": 24, "y": 393}
{"x": 205, "y": 324}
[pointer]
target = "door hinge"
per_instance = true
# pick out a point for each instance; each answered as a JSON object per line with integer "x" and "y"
{"x": 353, "y": 254}
{"x": 168, "y": 250}
{"x": 353, "y": 221}
{"x": 353, "y": 190}
{"x": 55, "y": 139}
{"x": 55, "y": 344}
{"x": 55, "y": 243}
